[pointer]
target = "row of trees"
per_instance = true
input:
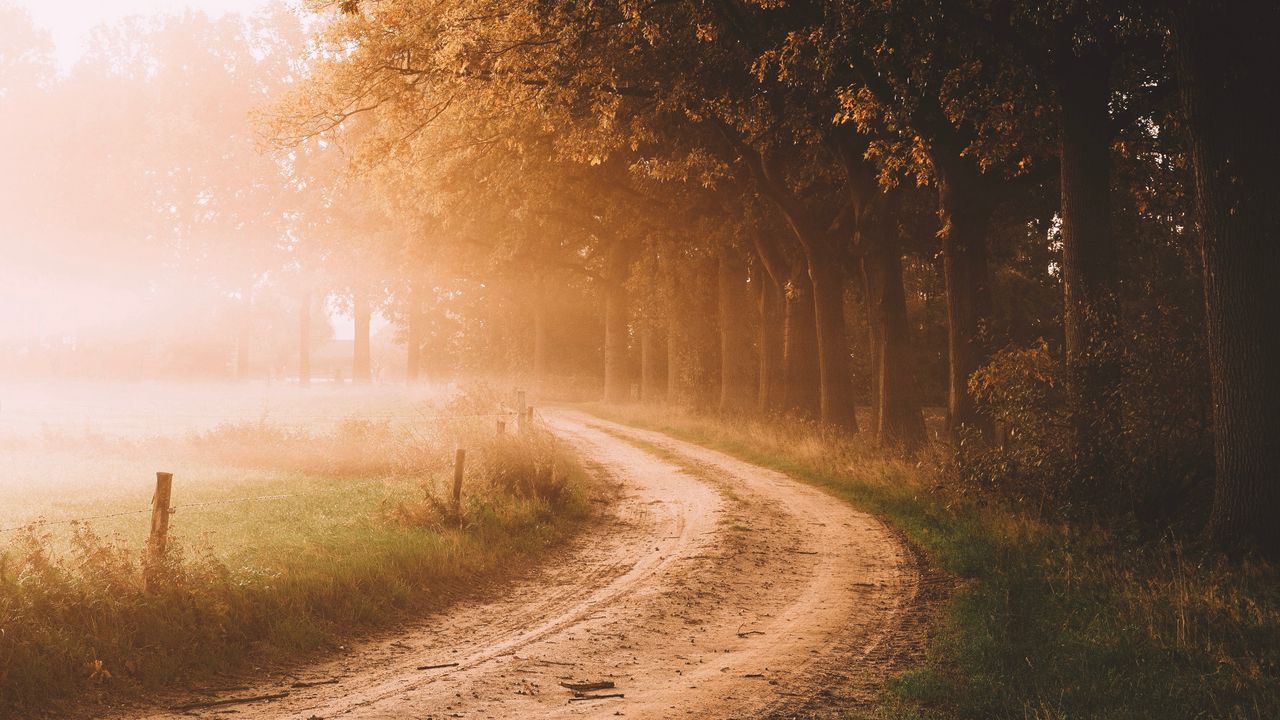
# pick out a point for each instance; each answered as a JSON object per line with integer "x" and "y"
{"x": 1049, "y": 218}
{"x": 801, "y": 206}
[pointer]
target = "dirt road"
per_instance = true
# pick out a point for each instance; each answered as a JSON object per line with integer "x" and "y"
{"x": 716, "y": 589}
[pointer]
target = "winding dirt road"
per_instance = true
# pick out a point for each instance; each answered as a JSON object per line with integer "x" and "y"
{"x": 714, "y": 589}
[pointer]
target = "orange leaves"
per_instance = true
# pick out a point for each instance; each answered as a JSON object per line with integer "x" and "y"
{"x": 98, "y": 672}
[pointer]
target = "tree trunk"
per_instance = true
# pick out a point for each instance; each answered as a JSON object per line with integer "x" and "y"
{"x": 871, "y": 291}
{"x": 826, "y": 282}
{"x": 1226, "y": 58}
{"x": 653, "y": 362}
{"x": 617, "y": 377}
{"x": 414, "y": 360}
{"x": 965, "y": 208}
{"x": 692, "y": 336}
{"x": 541, "y": 341}
{"x": 737, "y": 362}
{"x": 1089, "y": 316}
{"x": 770, "y": 339}
{"x": 899, "y": 422}
{"x": 361, "y": 365}
{"x": 800, "y": 352}
{"x": 304, "y": 341}
{"x": 836, "y": 380}
{"x": 771, "y": 280}
{"x": 617, "y": 316}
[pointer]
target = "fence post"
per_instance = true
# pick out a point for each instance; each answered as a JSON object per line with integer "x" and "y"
{"x": 459, "y": 460}
{"x": 502, "y": 428}
{"x": 160, "y": 513}
{"x": 160, "y": 510}
{"x": 520, "y": 411}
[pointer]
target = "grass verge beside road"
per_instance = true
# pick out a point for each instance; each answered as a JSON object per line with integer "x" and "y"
{"x": 365, "y": 535}
{"x": 1050, "y": 619}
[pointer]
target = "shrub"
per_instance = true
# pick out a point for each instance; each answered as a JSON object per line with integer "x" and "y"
{"x": 1033, "y": 460}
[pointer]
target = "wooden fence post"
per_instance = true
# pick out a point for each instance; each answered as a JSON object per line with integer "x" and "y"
{"x": 502, "y": 428}
{"x": 156, "y": 541}
{"x": 160, "y": 514}
{"x": 520, "y": 411}
{"x": 459, "y": 460}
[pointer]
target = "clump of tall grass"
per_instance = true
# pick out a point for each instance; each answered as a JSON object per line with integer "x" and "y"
{"x": 77, "y": 618}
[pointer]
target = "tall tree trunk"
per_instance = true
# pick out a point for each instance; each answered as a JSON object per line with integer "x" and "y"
{"x": 800, "y": 351}
{"x": 617, "y": 316}
{"x": 1089, "y": 316}
{"x": 737, "y": 361}
{"x": 677, "y": 349}
{"x": 361, "y": 365}
{"x": 304, "y": 340}
{"x": 541, "y": 341}
{"x": 1226, "y": 63}
{"x": 653, "y": 362}
{"x": 692, "y": 336}
{"x": 870, "y": 291}
{"x": 617, "y": 375}
{"x": 965, "y": 208}
{"x": 836, "y": 379}
{"x": 413, "y": 366}
{"x": 677, "y": 335}
{"x": 826, "y": 282}
{"x": 899, "y": 422}
{"x": 770, "y": 272}
{"x": 770, "y": 339}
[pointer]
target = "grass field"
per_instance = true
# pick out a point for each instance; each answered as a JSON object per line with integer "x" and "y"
{"x": 1049, "y": 620}
{"x": 293, "y": 527}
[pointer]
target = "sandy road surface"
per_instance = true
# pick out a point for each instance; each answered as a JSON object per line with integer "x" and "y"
{"x": 715, "y": 589}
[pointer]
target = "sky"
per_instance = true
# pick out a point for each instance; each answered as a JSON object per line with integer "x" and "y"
{"x": 69, "y": 21}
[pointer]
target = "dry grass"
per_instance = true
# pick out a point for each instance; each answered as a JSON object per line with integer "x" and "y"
{"x": 1053, "y": 620}
{"x": 362, "y": 535}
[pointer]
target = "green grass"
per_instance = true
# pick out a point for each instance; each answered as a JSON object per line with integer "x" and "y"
{"x": 1049, "y": 620}
{"x": 366, "y": 536}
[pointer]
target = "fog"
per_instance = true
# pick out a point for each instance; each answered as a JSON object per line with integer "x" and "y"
{"x": 148, "y": 231}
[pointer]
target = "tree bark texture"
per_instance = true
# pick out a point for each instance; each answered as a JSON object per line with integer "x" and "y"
{"x": 1226, "y": 61}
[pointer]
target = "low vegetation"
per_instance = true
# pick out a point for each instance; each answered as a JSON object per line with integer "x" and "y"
{"x": 353, "y": 528}
{"x": 1051, "y": 617}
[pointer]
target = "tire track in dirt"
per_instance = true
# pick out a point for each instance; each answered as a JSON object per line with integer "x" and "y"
{"x": 715, "y": 589}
